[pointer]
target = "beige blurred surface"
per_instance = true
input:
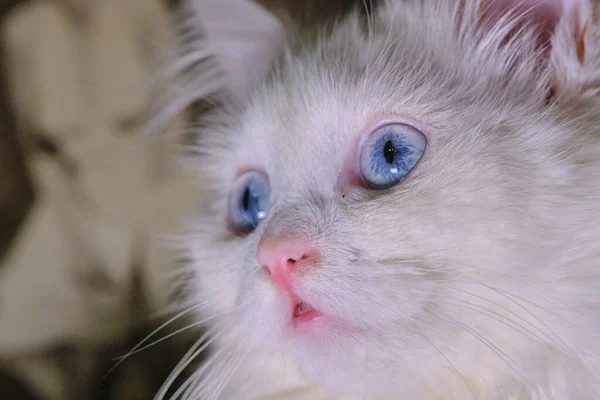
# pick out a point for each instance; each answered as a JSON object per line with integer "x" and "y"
{"x": 78, "y": 75}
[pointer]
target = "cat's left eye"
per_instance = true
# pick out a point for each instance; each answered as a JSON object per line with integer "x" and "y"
{"x": 248, "y": 202}
{"x": 389, "y": 154}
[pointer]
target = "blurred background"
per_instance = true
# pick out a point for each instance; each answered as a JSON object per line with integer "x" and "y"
{"x": 85, "y": 203}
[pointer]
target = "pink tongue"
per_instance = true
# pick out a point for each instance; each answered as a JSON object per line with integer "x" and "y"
{"x": 304, "y": 313}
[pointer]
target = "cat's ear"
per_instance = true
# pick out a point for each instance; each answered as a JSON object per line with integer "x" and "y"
{"x": 242, "y": 37}
{"x": 566, "y": 32}
{"x": 545, "y": 15}
{"x": 221, "y": 48}
{"x": 575, "y": 54}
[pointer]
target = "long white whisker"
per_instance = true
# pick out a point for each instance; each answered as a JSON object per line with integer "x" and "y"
{"x": 154, "y": 332}
{"x": 511, "y": 297}
{"x": 186, "y": 390}
{"x": 192, "y": 353}
{"x": 229, "y": 373}
{"x": 456, "y": 371}
{"x": 191, "y": 384}
{"x": 501, "y": 354}
{"x": 504, "y": 320}
{"x": 545, "y": 334}
{"x": 208, "y": 381}
{"x": 185, "y": 328}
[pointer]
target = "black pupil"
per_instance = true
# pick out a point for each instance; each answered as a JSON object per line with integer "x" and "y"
{"x": 246, "y": 199}
{"x": 389, "y": 151}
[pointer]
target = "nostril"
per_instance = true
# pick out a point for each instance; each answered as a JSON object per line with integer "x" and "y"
{"x": 295, "y": 260}
{"x": 280, "y": 258}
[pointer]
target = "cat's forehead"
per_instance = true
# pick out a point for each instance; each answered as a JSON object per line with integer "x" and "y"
{"x": 307, "y": 129}
{"x": 303, "y": 134}
{"x": 306, "y": 135}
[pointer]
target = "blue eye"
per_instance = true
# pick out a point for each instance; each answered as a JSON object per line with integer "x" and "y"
{"x": 389, "y": 154}
{"x": 248, "y": 201}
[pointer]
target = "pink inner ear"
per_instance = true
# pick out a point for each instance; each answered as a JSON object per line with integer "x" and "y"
{"x": 540, "y": 10}
{"x": 544, "y": 13}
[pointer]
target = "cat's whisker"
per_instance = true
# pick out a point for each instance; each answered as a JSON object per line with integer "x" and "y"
{"x": 178, "y": 331}
{"x": 169, "y": 310}
{"x": 185, "y": 389}
{"x": 194, "y": 384}
{"x": 188, "y": 389}
{"x": 240, "y": 388}
{"x": 494, "y": 348}
{"x": 521, "y": 281}
{"x": 513, "y": 298}
{"x": 194, "y": 351}
{"x": 452, "y": 366}
{"x": 557, "y": 339}
{"x": 229, "y": 374}
{"x": 503, "y": 319}
{"x": 499, "y": 352}
{"x": 545, "y": 330}
{"x": 207, "y": 387}
{"x": 549, "y": 332}
{"x": 192, "y": 388}
{"x": 161, "y": 327}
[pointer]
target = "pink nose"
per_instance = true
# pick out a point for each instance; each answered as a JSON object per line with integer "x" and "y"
{"x": 283, "y": 257}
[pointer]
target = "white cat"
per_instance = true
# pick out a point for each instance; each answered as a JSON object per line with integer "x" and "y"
{"x": 403, "y": 204}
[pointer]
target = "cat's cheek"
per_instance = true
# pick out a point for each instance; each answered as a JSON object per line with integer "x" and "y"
{"x": 215, "y": 282}
{"x": 215, "y": 296}
{"x": 264, "y": 312}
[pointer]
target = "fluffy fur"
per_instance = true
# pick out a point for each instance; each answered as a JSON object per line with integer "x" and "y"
{"x": 477, "y": 277}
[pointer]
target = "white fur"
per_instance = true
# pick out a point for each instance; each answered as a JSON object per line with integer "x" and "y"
{"x": 477, "y": 277}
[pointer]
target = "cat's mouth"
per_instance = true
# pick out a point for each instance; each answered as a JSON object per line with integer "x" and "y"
{"x": 303, "y": 313}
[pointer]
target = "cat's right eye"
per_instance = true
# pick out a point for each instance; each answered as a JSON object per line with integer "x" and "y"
{"x": 248, "y": 202}
{"x": 389, "y": 154}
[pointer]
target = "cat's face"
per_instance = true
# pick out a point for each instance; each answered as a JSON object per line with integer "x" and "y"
{"x": 374, "y": 194}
